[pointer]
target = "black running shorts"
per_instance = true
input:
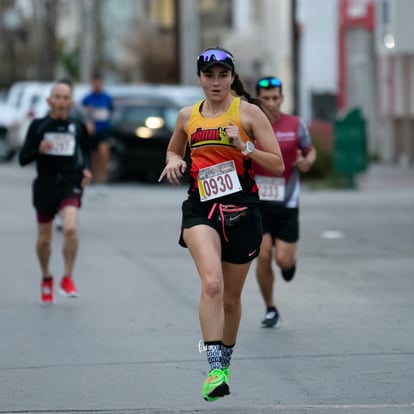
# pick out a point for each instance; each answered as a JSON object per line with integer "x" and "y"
{"x": 240, "y": 241}
{"x": 281, "y": 222}
{"x": 48, "y": 193}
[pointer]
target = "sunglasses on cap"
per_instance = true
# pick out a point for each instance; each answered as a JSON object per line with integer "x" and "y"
{"x": 268, "y": 82}
{"x": 212, "y": 57}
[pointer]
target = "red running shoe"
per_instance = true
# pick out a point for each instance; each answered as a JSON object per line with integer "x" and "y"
{"x": 46, "y": 291}
{"x": 68, "y": 288}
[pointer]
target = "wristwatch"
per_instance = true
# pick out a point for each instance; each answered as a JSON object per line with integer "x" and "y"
{"x": 249, "y": 148}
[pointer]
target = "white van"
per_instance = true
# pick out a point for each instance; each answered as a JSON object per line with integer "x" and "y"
{"x": 23, "y": 97}
{"x": 9, "y": 128}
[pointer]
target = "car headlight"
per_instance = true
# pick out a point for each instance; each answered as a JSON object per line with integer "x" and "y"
{"x": 151, "y": 123}
{"x": 154, "y": 122}
{"x": 144, "y": 132}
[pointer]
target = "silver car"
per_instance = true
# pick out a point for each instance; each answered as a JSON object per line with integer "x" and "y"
{"x": 9, "y": 132}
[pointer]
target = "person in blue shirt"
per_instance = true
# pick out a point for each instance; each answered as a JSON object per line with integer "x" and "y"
{"x": 98, "y": 108}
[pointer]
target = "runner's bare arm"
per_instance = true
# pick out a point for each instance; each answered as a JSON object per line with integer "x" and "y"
{"x": 268, "y": 153}
{"x": 175, "y": 163}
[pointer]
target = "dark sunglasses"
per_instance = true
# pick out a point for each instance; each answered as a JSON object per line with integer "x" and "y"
{"x": 216, "y": 55}
{"x": 270, "y": 82}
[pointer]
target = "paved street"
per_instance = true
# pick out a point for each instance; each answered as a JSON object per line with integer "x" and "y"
{"x": 129, "y": 344}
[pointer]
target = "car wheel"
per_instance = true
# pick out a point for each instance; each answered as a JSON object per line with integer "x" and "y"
{"x": 115, "y": 170}
{"x": 6, "y": 153}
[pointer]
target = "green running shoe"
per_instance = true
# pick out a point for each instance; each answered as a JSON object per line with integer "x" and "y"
{"x": 215, "y": 385}
{"x": 227, "y": 372}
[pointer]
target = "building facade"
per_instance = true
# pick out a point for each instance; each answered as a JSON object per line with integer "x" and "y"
{"x": 331, "y": 55}
{"x": 360, "y": 54}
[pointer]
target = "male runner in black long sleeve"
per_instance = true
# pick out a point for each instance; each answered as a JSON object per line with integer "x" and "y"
{"x": 59, "y": 145}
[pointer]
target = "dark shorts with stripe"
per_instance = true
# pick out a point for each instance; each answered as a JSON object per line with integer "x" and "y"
{"x": 240, "y": 242}
{"x": 50, "y": 194}
{"x": 281, "y": 222}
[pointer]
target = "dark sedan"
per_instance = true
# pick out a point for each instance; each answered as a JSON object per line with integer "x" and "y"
{"x": 141, "y": 129}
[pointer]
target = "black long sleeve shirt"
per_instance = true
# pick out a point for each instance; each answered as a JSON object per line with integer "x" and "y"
{"x": 70, "y": 153}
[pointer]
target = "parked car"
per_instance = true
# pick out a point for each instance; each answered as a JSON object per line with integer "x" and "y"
{"x": 183, "y": 95}
{"x": 9, "y": 130}
{"x": 140, "y": 132}
{"x": 23, "y": 97}
{"x": 15, "y": 92}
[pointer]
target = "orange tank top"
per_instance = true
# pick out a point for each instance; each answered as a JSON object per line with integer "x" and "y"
{"x": 210, "y": 145}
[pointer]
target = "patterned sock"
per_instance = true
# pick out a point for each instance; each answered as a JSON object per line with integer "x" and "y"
{"x": 226, "y": 352}
{"x": 214, "y": 354}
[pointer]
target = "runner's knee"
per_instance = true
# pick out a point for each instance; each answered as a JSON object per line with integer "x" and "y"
{"x": 70, "y": 232}
{"x": 212, "y": 287}
{"x": 43, "y": 241}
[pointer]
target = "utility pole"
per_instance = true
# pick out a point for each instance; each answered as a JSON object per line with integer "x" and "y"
{"x": 87, "y": 41}
{"x": 295, "y": 57}
{"x": 188, "y": 39}
{"x": 10, "y": 23}
{"x": 91, "y": 51}
{"x": 45, "y": 14}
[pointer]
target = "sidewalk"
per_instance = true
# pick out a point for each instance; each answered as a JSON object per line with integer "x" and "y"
{"x": 384, "y": 176}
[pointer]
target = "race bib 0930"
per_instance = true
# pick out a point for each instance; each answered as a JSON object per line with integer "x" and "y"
{"x": 218, "y": 180}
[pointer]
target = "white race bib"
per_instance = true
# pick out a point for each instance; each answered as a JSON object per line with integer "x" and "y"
{"x": 270, "y": 188}
{"x": 101, "y": 114}
{"x": 218, "y": 180}
{"x": 63, "y": 143}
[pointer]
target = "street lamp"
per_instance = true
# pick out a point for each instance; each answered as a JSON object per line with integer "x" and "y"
{"x": 389, "y": 41}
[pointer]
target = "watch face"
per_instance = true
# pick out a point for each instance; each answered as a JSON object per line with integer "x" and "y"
{"x": 249, "y": 148}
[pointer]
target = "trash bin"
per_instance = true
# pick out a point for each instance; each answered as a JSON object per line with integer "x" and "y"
{"x": 350, "y": 145}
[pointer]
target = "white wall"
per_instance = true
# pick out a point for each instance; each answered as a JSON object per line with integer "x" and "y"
{"x": 318, "y": 50}
{"x": 261, "y": 42}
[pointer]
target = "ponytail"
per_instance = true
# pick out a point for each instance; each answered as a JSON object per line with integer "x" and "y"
{"x": 238, "y": 87}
